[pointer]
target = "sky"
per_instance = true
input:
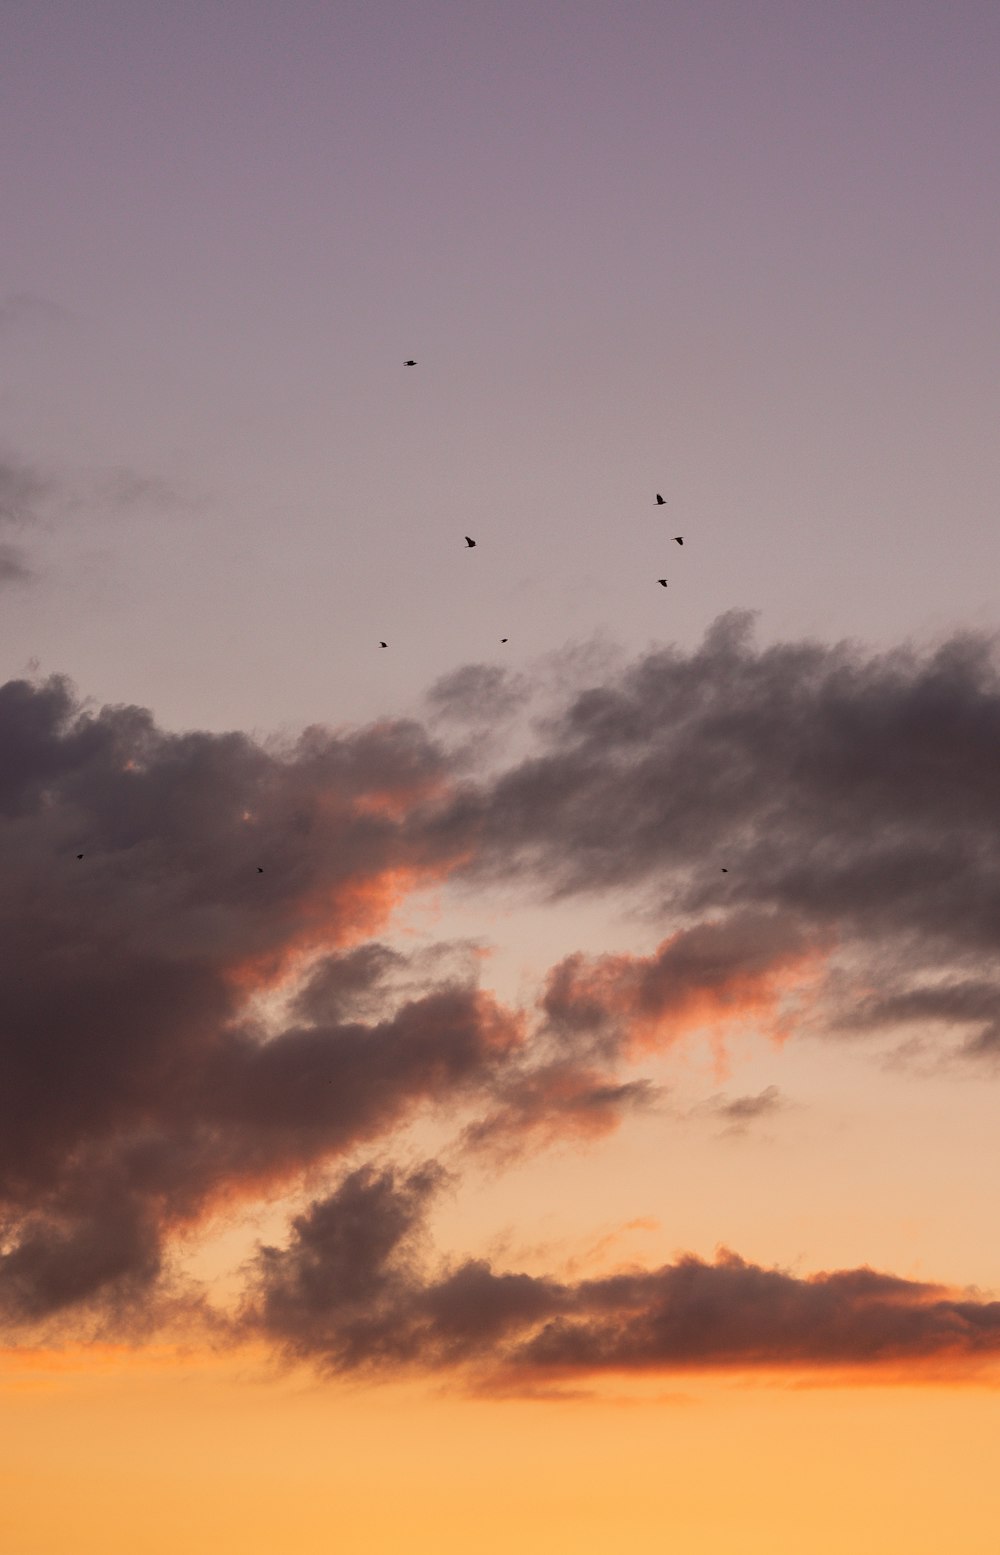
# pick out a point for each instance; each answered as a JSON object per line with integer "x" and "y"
{"x": 532, "y": 1084}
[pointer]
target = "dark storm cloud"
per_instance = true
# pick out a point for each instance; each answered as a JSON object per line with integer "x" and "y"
{"x": 137, "y": 1088}
{"x": 350, "y": 1291}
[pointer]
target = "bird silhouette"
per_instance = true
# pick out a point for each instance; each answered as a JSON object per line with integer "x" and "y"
{"x": 79, "y": 855}
{"x": 469, "y": 543}
{"x": 409, "y": 364}
{"x": 503, "y": 639}
{"x": 663, "y": 581}
{"x": 679, "y": 539}
{"x": 259, "y": 870}
{"x": 725, "y": 871}
{"x": 660, "y": 500}
{"x": 383, "y": 645}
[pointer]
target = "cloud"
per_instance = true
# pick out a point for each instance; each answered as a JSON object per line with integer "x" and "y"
{"x": 478, "y": 693}
{"x": 716, "y": 976}
{"x": 139, "y": 1087}
{"x": 351, "y": 1292}
{"x": 554, "y": 1102}
{"x": 825, "y": 780}
{"x": 848, "y": 796}
{"x": 149, "y": 1080}
{"x": 741, "y": 1111}
{"x": 22, "y": 490}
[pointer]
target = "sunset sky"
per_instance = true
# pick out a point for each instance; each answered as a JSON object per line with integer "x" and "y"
{"x": 532, "y": 1086}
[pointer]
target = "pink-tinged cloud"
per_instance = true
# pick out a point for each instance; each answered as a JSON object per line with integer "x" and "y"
{"x": 715, "y": 977}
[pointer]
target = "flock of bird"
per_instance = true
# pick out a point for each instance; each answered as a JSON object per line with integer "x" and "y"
{"x": 471, "y": 545}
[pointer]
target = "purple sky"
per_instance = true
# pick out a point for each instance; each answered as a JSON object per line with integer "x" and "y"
{"x": 744, "y": 255}
{"x": 582, "y": 1016}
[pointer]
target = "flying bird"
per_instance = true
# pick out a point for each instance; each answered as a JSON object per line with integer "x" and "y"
{"x": 409, "y": 364}
{"x": 79, "y": 855}
{"x": 503, "y": 639}
{"x": 663, "y": 581}
{"x": 679, "y": 539}
{"x": 383, "y": 645}
{"x": 469, "y": 543}
{"x": 660, "y": 500}
{"x": 725, "y": 871}
{"x": 259, "y": 870}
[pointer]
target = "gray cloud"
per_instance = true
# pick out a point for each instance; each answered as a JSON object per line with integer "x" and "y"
{"x": 478, "y": 693}
{"x": 554, "y": 1101}
{"x": 130, "y": 1063}
{"x": 22, "y": 491}
{"x": 741, "y": 1111}
{"x": 350, "y": 1292}
{"x": 851, "y": 797}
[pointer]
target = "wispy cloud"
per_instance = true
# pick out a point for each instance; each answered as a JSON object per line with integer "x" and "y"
{"x": 23, "y": 490}
{"x": 739, "y": 1112}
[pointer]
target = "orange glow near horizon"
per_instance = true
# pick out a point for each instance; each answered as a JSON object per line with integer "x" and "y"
{"x": 196, "y": 1458}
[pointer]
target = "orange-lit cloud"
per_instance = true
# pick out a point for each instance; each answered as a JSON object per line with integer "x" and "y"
{"x": 155, "y": 884}
{"x": 715, "y": 978}
{"x": 349, "y": 1292}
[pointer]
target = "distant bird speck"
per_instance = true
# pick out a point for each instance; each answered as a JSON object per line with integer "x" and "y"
{"x": 409, "y": 364}
{"x": 660, "y": 500}
{"x": 259, "y": 870}
{"x": 383, "y": 645}
{"x": 679, "y": 539}
{"x": 469, "y": 543}
{"x": 725, "y": 871}
{"x": 79, "y": 855}
{"x": 663, "y": 581}
{"x": 503, "y": 639}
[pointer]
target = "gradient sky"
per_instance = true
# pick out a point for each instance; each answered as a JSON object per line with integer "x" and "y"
{"x": 494, "y": 1171}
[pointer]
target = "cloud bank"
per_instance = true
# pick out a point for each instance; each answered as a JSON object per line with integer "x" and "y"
{"x": 349, "y": 1292}
{"x": 849, "y": 797}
